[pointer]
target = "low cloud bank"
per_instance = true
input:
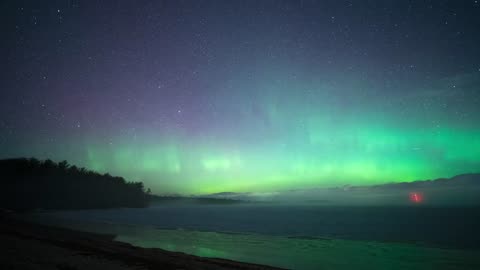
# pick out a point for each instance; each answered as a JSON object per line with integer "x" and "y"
{"x": 461, "y": 190}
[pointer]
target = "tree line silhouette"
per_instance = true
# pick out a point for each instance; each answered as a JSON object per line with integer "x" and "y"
{"x": 28, "y": 184}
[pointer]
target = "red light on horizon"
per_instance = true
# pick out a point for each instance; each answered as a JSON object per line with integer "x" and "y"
{"x": 416, "y": 197}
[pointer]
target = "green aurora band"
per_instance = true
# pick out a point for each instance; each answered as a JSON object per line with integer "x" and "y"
{"x": 369, "y": 156}
{"x": 327, "y": 135}
{"x": 290, "y": 143}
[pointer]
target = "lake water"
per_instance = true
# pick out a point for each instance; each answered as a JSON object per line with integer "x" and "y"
{"x": 297, "y": 237}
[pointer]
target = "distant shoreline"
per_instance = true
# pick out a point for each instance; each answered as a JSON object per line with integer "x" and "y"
{"x": 28, "y": 245}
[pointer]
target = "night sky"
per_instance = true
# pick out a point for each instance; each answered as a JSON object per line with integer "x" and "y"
{"x": 196, "y": 97}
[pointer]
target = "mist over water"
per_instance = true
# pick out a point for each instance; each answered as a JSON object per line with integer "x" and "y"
{"x": 461, "y": 190}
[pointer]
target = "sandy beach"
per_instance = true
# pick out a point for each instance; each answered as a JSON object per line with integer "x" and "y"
{"x": 31, "y": 246}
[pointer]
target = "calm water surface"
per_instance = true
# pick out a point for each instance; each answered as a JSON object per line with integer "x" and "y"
{"x": 299, "y": 237}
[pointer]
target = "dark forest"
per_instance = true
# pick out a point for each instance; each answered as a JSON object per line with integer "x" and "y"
{"x": 29, "y": 184}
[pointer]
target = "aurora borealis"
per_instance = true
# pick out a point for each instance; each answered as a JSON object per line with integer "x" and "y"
{"x": 197, "y": 97}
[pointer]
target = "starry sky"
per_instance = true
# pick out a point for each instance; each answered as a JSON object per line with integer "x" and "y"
{"x": 197, "y": 97}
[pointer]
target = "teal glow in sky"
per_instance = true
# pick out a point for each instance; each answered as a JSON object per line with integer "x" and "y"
{"x": 245, "y": 97}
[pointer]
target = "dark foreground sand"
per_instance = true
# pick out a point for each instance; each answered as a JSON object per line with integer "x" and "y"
{"x": 31, "y": 246}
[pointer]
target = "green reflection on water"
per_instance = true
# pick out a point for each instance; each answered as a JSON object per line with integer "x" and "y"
{"x": 299, "y": 253}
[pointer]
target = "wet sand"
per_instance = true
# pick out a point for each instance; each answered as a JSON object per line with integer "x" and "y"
{"x": 38, "y": 247}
